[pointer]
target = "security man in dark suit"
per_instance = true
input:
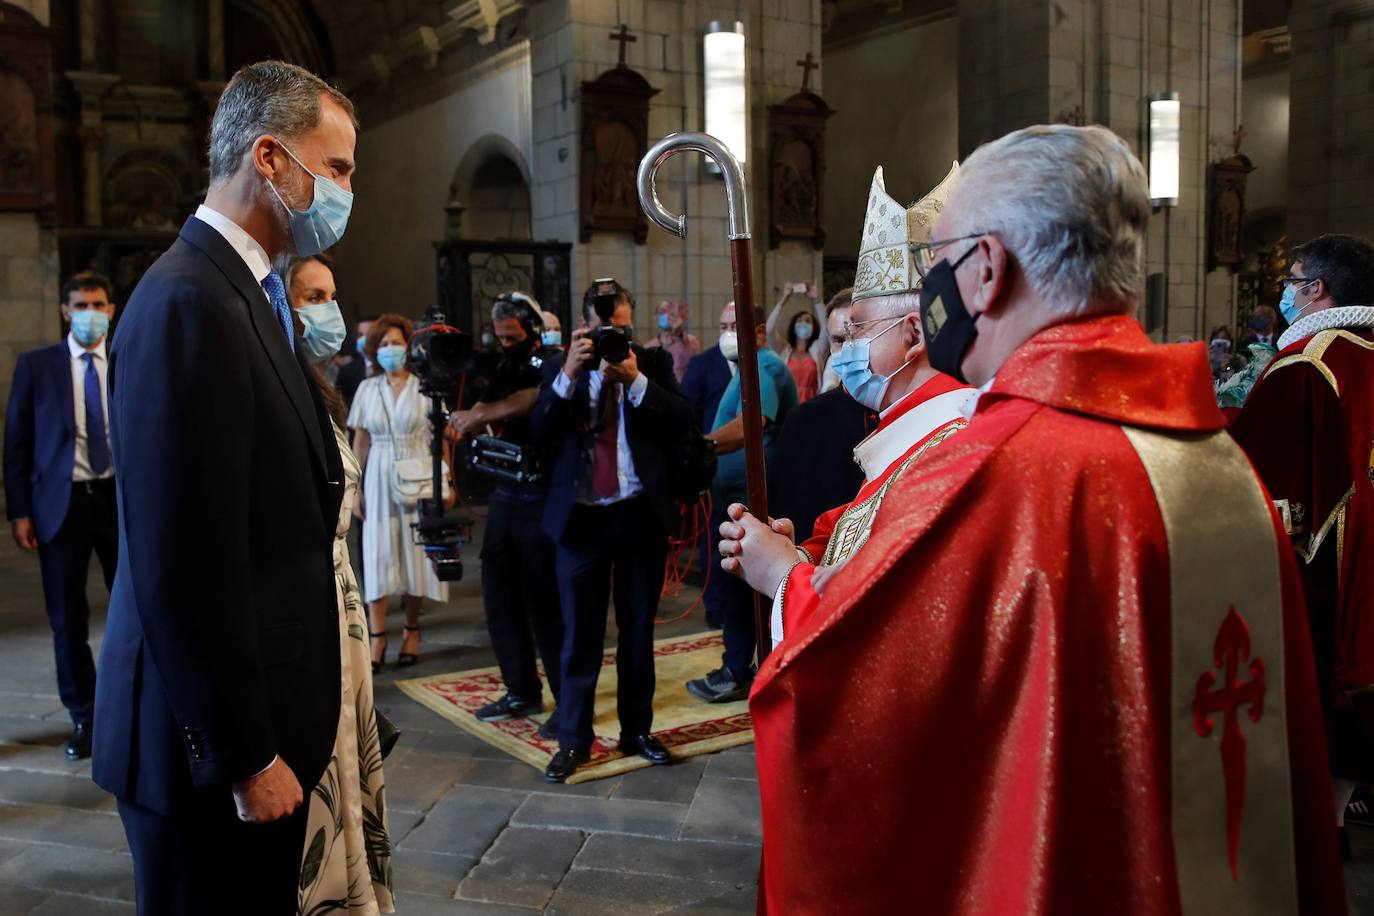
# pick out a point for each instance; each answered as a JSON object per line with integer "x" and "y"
{"x": 59, "y": 483}
{"x": 613, "y": 426}
{"x": 519, "y": 594}
{"x": 218, "y": 702}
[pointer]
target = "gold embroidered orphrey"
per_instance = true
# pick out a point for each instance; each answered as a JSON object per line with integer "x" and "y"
{"x": 851, "y": 531}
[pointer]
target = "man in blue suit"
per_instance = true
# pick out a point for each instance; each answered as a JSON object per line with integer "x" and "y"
{"x": 59, "y": 483}
{"x": 612, "y": 427}
{"x": 218, "y": 700}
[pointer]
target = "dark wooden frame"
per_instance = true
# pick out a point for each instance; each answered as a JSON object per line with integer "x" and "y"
{"x": 619, "y": 95}
{"x": 26, "y": 49}
{"x": 799, "y": 119}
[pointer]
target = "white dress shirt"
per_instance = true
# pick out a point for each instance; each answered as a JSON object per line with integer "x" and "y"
{"x": 81, "y": 470}
{"x": 255, "y": 256}
{"x": 625, "y": 464}
{"x": 247, "y": 247}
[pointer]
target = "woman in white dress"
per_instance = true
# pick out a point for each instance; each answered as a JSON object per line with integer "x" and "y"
{"x": 390, "y": 419}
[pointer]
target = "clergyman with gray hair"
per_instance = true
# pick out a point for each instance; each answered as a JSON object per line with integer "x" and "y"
{"x": 218, "y": 700}
{"x": 1076, "y": 671}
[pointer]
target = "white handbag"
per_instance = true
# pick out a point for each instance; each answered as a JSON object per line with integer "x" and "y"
{"x": 412, "y": 479}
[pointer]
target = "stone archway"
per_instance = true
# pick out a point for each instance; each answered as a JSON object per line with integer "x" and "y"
{"x": 489, "y": 197}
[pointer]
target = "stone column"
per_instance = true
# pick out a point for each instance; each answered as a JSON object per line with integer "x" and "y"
{"x": 214, "y": 38}
{"x": 1331, "y": 119}
{"x": 92, "y": 136}
{"x": 1097, "y": 62}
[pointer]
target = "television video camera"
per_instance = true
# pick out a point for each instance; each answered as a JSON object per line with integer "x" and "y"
{"x": 439, "y": 354}
{"x": 608, "y": 341}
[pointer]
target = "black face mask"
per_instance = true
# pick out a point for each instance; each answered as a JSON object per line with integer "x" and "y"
{"x": 518, "y": 353}
{"x": 948, "y": 326}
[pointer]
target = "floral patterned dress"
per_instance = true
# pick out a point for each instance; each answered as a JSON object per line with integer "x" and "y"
{"x": 346, "y": 867}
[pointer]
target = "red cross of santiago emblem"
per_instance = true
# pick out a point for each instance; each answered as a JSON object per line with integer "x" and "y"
{"x": 1231, "y": 648}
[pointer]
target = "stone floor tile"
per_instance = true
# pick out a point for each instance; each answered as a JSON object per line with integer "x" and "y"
{"x": 588, "y": 892}
{"x": 419, "y": 779}
{"x": 726, "y": 863}
{"x": 595, "y": 815}
{"x": 732, "y": 766}
{"x": 53, "y": 789}
{"x": 738, "y": 901}
{"x": 726, "y": 810}
{"x": 514, "y": 774}
{"x": 424, "y": 905}
{"x": 415, "y": 871}
{"x": 465, "y": 821}
{"x": 17, "y": 901}
{"x": 523, "y": 867}
{"x": 73, "y": 905}
{"x": 65, "y": 826}
{"x": 77, "y": 871}
{"x": 676, "y": 783}
{"x": 400, "y": 822}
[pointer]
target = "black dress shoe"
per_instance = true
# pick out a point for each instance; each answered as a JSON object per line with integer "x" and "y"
{"x": 79, "y": 748}
{"x": 646, "y": 746}
{"x": 564, "y": 763}
{"x": 509, "y": 706}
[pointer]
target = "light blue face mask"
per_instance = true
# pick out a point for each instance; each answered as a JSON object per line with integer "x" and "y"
{"x": 361, "y": 343}
{"x": 391, "y": 357}
{"x": 1288, "y": 304}
{"x": 324, "y": 330}
{"x": 89, "y": 325}
{"x": 322, "y": 225}
{"x": 851, "y": 364}
{"x": 664, "y": 322}
{"x": 552, "y": 338}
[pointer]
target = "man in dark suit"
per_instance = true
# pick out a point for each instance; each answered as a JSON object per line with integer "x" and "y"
{"x": 612, "y": 427}
{"x": 218, "y": 700}
{"x": 59, "y": 483}
{"x": 353, "y": 372}
{"x": 708, "y": 374}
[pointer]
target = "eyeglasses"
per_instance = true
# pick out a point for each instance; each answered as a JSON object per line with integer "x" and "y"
{"x": 923, "y": 254}
{"x": 849, "y": 326}
{"x": 1298, "y": 281}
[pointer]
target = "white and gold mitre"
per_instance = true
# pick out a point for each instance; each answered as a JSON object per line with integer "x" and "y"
{"x": 890, "y": 230}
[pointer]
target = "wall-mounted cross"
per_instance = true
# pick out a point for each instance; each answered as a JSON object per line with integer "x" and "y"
{"x": 624, "y": 37}
{"x": 807, "y": 65}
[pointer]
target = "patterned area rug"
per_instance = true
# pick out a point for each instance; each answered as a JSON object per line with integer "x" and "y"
{"x": 683, "y": 723}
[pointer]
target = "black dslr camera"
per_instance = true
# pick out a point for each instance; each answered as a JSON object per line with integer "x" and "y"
{"x": 608, "y": 341}
{"x": 439, "y": 355}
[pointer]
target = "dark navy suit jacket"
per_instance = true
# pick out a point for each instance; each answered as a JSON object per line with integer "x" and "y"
{"x": 708, "y": 375}
{"x": 40, "y": 439}
{"x": 222, "y": 644}
{"x": 653, "y": 429}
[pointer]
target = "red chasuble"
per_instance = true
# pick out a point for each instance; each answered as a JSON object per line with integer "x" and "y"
{"x": 1308, "y": 426}
{"x": 1069, "y": 673}
{"x": 919, "y": 422}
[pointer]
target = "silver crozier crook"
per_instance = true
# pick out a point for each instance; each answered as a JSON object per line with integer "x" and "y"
{"x": 745, "y": 317}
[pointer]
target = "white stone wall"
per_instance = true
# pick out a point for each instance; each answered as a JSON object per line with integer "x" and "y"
{"x": 571, "y": 44}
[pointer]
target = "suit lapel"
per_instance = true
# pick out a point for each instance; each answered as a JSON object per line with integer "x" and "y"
{"x": 289, "y": 371}
{"x": 61, "y": 369}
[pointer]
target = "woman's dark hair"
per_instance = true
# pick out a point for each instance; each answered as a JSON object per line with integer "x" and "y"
{"x": 792, "y": 329}
{"x": 1219, "y": 330}
{"x": 378, "y": 330}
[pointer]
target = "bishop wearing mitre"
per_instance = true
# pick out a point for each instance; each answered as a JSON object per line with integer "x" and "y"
{"x": 1069, "y": 671}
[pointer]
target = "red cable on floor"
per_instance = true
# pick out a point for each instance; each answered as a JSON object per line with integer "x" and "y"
{"x": 695, "y": 519}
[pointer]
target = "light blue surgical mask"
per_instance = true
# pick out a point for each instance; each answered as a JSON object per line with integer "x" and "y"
{"x": 323, "y": 224}
{"x": 391, "y": 358}
{"x": 804, "y": 330}
{"x": 324, "y": 330}
{"x": 362, "y": 343}
{"x": 664, "y": 322}
{"x": 857, "y": 375}
{"x": 552, "y": 338}
{"x": 1288, "y": 304}
{"x": 89, "y": 325}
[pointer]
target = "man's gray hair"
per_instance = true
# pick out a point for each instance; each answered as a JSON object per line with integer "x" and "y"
{"x": 1071, "y": 205}
{"x": 269, "y": 97}
{"x": 519, "y": 306}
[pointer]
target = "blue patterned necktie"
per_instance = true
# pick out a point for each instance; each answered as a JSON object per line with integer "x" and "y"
{"x": 97, "y": 448}
{"x": 276, "y": 294}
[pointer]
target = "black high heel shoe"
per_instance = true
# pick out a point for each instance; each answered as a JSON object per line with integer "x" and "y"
{"x": 377, "y": 663}
{"x": 406, "y": 659}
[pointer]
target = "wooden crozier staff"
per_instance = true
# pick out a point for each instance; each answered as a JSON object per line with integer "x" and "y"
{"x": 740, "y": 263}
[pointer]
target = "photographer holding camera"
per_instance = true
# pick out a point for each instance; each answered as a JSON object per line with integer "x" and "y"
{"x": 518, "y": 594}
{"x": 613, "y": 414}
